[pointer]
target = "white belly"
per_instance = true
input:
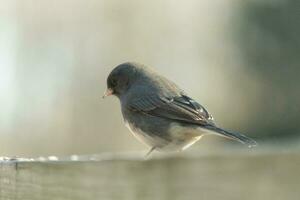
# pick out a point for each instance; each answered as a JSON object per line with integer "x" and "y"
{"x": 182, "y": 137}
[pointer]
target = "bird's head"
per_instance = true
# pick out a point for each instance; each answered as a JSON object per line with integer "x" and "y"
{"x": 120, "y": 79}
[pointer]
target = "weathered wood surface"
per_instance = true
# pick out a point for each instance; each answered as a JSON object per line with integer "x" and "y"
{"x": 232, "y": 177}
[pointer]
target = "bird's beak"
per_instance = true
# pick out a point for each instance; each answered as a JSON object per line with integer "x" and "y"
{"x": 108, "y": 92}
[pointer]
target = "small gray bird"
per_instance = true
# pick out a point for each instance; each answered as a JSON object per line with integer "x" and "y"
{"x": 159, "y": 113}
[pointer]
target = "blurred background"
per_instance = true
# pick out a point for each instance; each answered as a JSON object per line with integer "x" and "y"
{"x": 240, "y": 59}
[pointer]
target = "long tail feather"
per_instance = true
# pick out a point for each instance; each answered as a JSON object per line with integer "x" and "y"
{"x": 235, "y": 136}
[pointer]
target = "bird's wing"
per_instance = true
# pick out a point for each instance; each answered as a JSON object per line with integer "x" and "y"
{"x": 180, "y": 108}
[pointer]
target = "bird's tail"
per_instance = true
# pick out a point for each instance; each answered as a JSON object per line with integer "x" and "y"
{"x": 231, "y": 135}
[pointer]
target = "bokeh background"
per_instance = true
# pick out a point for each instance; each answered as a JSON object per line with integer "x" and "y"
{"x": 240, "y": 59}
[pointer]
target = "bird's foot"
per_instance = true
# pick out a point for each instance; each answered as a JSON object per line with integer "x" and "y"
{"x": 149, "y": 152}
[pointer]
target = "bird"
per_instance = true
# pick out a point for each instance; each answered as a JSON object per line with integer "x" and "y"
{"x": 159, "y": 113}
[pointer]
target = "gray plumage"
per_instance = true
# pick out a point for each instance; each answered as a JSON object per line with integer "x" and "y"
{"x": 159, "y": 113}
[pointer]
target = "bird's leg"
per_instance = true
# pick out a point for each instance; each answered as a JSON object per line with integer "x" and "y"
{"x": 150, "y": 151}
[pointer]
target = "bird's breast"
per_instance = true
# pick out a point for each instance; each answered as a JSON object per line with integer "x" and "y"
{"x": 146, "y": 138}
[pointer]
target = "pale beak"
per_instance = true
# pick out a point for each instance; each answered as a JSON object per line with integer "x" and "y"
{"x": 108, "y": 92}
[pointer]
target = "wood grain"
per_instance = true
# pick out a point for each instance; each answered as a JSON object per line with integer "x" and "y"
{"x": 234, "y": 177}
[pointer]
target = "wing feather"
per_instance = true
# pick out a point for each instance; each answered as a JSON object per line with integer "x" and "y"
{"x": 180, "y": 108}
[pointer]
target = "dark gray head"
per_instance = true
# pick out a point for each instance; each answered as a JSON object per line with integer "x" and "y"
{"x": 121, "y": 78}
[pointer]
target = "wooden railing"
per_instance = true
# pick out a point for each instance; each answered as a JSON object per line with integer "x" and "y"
{"x": 233, "y": 176}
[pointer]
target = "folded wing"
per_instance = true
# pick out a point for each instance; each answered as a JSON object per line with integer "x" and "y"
{"x": 180, "y": 108}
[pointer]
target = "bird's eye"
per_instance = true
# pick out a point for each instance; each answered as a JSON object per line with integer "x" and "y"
{"x": 113, "y": 82}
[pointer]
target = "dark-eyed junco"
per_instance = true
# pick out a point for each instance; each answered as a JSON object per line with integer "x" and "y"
{"x": 158, "y": 112}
